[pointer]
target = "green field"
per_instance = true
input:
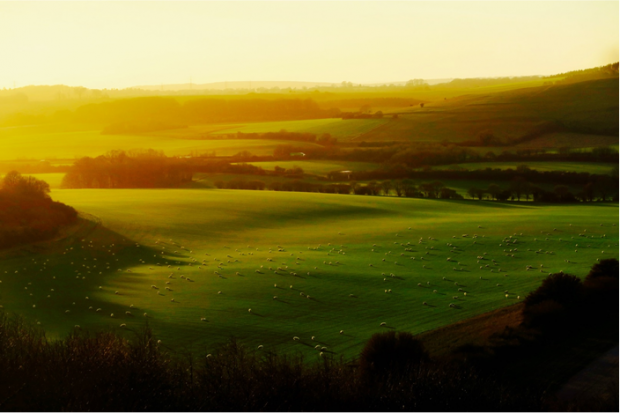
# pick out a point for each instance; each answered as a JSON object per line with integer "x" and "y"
{"x": 513, "y": 114}
{"x": 52, "y": 142}
{"x": 589, "y": 167}
{"x": 91, "y": 143}
{"x": 325, "y": 246}
{"x": 336, "y": 127}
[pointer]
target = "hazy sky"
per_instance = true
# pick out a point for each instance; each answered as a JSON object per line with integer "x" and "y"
{"x": 120, "y": 44}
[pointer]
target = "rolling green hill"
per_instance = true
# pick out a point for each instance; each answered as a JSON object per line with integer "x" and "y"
{"x": 582, "y": 108}
{"x": 334, "y": 262}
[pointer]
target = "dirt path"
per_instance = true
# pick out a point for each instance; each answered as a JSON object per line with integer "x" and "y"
{"x": 594, "y": 380}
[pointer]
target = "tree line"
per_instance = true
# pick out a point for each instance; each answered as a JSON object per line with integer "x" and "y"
{"x": 436, "y": 154}
{"x": 133, "y": 169}
{"x": 400, "y": 188}
{"x": 600, "y": 190}
{"x": 27, "y": 213}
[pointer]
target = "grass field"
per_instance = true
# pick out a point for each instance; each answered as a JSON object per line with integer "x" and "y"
{"x": 513, "y": 114}
{"x": 324, "y": 246}
{"x": 91, "y": 143}
{"x": 589, "y": 167}
{"x": 338, "y": 128}
{"x": 58, "y": 142}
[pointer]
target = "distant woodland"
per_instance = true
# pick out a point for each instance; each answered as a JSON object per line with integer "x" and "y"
{"x": 27, "y": 213}
{"x": 134, "y": 169}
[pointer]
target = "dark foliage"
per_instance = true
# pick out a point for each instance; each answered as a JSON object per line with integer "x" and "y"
{"x": 391, "y": 353}
{"x": 564, "y": 289}
{"x": 136, "y": 169}
{"x": 27, "y": 213}
{"x": 106, "y": 372}
{"x": 606, "y": 268}
{"x": 601, "y": 287}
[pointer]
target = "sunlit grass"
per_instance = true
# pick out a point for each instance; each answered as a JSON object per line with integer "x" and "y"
{"x": 91, "y": 143}
{"x": 349, "y": 295}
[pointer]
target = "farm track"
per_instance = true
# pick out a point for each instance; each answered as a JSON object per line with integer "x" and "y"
{"x": 596, "y": 379}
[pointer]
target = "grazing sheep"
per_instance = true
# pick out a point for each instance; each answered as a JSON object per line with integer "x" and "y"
{"x": 341, "y": 331}
{"x": 295, "y": 338}
{"x": 382, "y": 324}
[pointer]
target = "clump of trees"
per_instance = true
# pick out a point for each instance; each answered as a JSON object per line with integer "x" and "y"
{"x": 400, "y": 188}
{"x": 133, "y": 169}
{"x": 27, "y": 213}
{"x": 601, "y": 188}
{"x": 564, "y": 301}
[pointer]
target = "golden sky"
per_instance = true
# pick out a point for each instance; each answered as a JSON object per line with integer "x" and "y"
{"x": 121, "y": 44}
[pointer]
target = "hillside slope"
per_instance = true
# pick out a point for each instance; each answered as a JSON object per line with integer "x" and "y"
{"x": 586, "y": 108}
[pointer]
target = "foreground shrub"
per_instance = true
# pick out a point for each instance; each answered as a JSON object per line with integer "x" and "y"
{"x": 391, "y": 352}
{"x": 605, "y": 268}
{"x": 106, "y": 372}
{"x": 601, "y": 290}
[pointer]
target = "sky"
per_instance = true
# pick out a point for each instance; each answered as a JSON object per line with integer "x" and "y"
{"x": 122, "y": 44}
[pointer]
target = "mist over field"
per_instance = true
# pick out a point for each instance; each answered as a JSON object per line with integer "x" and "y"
{"x": 318, "y": 206}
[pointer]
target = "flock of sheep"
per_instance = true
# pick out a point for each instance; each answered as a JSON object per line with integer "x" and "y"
{"x": 407, "y": 257}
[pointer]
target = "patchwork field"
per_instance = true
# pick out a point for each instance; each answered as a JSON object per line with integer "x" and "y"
{"x": 593, "y": 117}
{"x": 328, "y": 267}
{"x": 92, "y": 143}
{"x": 338, "y": 128}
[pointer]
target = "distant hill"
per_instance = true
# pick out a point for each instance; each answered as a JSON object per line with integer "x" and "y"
{"x": 589, "y": 108}
{"x": 249, "y": 84}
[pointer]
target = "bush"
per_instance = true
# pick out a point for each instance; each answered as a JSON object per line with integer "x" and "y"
{"x": 565, "y": 289}
{"x": 550, "y": 306}
{"x": 601, "y": 289}
{"x": 391, "y": 353}
{"x": 605, "y": 268}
